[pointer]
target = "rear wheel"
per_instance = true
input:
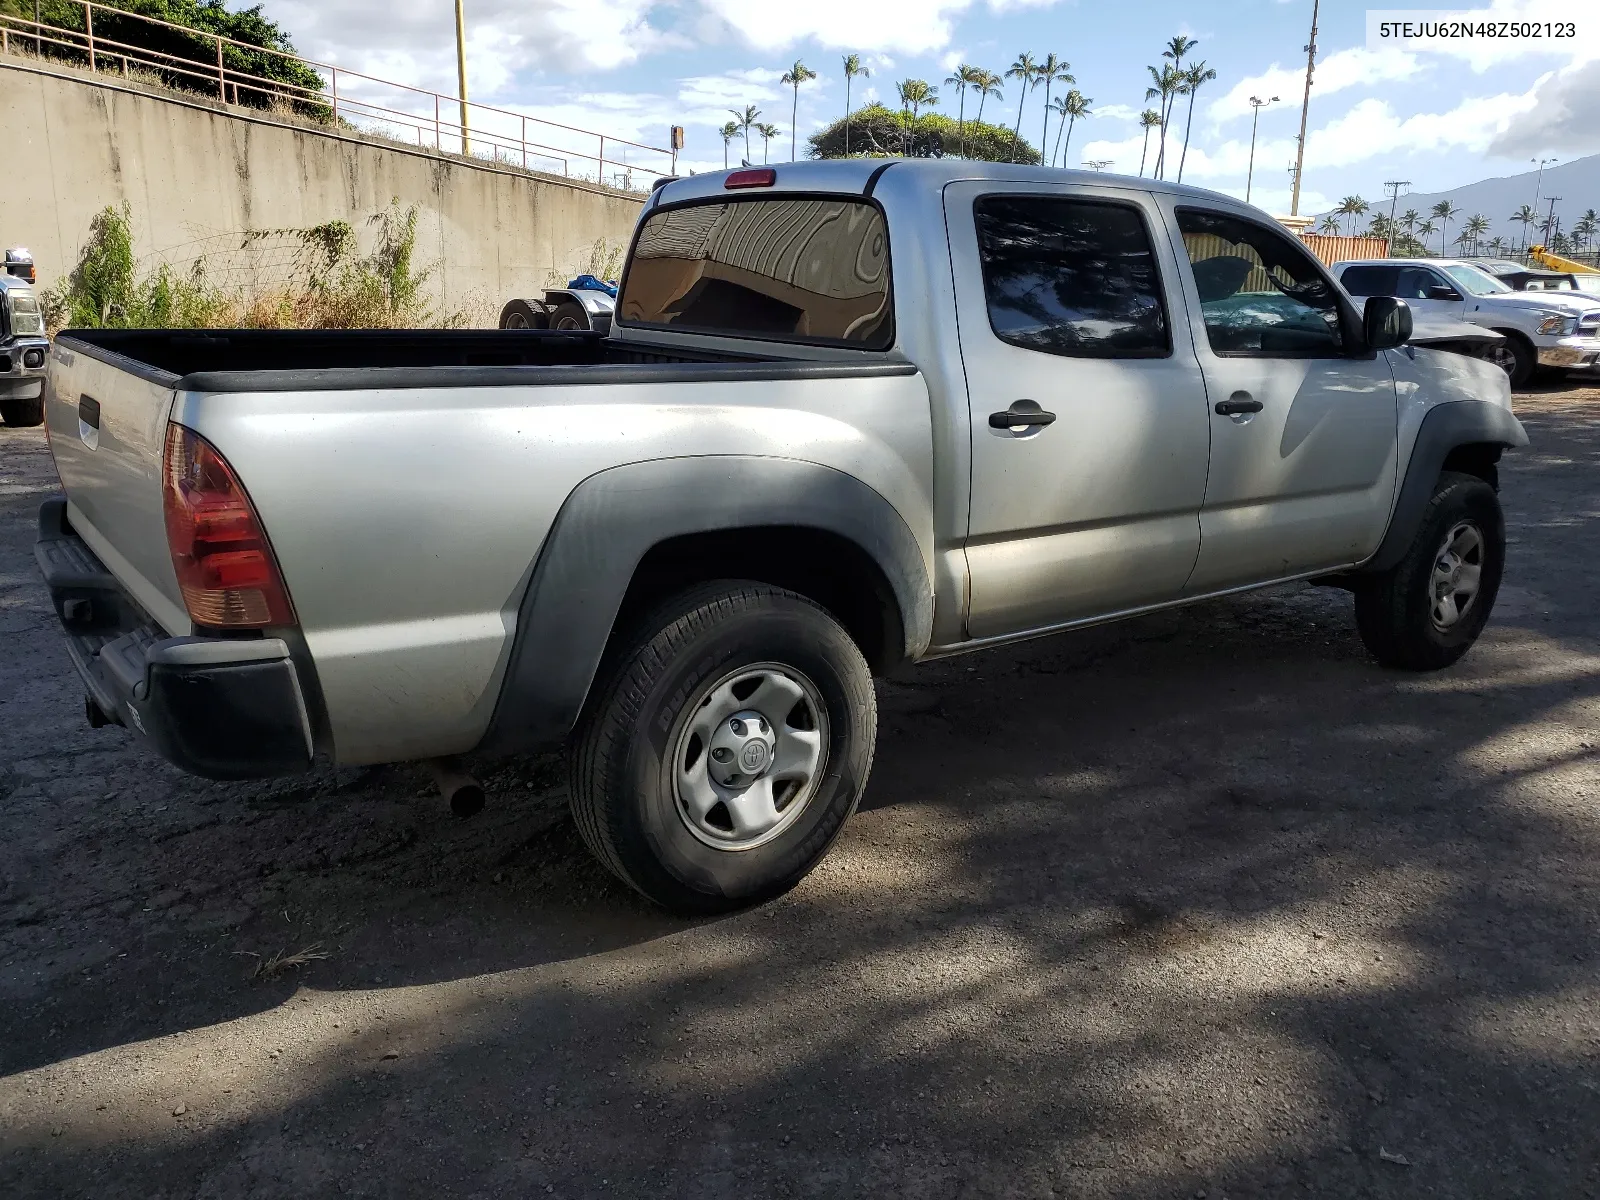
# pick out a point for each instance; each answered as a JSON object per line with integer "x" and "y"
{"x": 725, "y": 749}
{"x": 524, "y": 314}
{"x": 1426, "y": 612}
{"x": 569, "y": 316}
{"x": 23, "y": 413}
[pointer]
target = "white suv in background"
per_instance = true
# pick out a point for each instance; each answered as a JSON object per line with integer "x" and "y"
{"x": 1542, "y": 329}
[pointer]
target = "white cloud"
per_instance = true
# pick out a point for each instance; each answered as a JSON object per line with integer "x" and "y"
{"x": 1355, "y": 67}
{"x": 414, "y": 40}
{"x": 1564, "y": 116}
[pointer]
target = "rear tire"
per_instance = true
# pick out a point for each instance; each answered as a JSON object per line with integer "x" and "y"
{"x": 569, "y": 316}
{"x": 642, "y": 770}
{"x": 20, "y": 414}
{"x": 1428, "y": 610}
{"x": 524, "y": 314}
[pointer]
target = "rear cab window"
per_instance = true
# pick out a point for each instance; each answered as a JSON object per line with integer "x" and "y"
{"x": 1071, "y": 277}
{"x": 811, "y": 271}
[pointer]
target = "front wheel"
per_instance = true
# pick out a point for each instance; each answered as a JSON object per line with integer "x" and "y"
{"x": 724, "y": 751}
{"x": 1427, "y": 611}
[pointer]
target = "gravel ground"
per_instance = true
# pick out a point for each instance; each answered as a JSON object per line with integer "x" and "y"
{"x": 1201, "y": 904}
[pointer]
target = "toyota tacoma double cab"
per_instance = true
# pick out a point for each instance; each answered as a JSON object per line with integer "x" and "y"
{"x": 850, "y": 415}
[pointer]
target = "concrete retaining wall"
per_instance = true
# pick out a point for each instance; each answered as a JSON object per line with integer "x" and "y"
{"x": 198, "y": 174}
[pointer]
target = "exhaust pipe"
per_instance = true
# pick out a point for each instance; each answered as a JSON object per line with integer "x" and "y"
{"x": 464, "y": 793}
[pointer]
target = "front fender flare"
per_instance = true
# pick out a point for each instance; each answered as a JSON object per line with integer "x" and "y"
{"x": 612, "y": 520}
{"x": 1443, "y": 429}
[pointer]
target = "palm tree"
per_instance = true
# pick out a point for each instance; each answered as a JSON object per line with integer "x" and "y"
{"x": 1409, "y": 219}
{"x": 1476, "y": 226}
{"x": 959, "y": 79}
{"x": 1525, "y": 216}
{"x": 1330, "y": 225}
{"x": 1193, "y": 79}
{"x": 914, "y": 94}
{"x": 1068, "y": 109}
{"x": 1497, "y": 245}
{"x": 767, "y": 132}
{"x": 986, "y": 84}
{"x": 1426, "y": 230}
{"x": 1444, "y": 210}
{"x": 728, "y": 132}
{"x": 794, "y": 77}
{"x": 1052, "y": 70}
{"x": 1177, "y": 47}
{"x": 1168, "y": 84}
{"x": 1351, "y": 206}
{"x": 1149, "y": 119}
{"x": 1025, "y": 71}
{"x": 746, "y": 121}
{"x": 852, "y": 70}
{"x": 1585, "y": 227}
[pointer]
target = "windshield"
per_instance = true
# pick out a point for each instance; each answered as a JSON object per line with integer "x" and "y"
{"x": 1476, "y": 282}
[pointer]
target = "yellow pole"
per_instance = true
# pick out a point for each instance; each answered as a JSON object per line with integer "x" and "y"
{"x": 461, "y": 73}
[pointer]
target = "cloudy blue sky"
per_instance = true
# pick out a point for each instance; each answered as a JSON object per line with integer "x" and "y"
{"x": 631, "y": 68}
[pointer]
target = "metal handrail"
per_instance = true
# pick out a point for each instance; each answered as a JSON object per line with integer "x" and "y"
{"x": 344, "y": 107}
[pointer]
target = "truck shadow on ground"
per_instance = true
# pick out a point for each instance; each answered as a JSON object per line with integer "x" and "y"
{"x": 1202, "y": 901}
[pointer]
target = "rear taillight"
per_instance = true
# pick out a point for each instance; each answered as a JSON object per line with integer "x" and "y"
{"x": 758, "y": 177}
{"x": 225, "y": 567}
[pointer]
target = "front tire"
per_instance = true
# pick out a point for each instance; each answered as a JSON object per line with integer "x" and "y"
{"x": 1428, "y": 610}
{"x": 569, "y": 317}
{"x": 1517, "y": 358}
{"x": 703, "y": 810}
{"x": 21, "y": 414}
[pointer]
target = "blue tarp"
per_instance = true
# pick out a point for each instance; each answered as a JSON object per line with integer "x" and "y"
{"x": 588, "y": 283}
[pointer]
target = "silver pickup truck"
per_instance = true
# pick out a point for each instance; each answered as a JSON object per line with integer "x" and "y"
{"x": 851, "y": 415}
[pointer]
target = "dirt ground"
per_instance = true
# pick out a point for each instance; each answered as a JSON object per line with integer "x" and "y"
{"x": 1205, "y": 904}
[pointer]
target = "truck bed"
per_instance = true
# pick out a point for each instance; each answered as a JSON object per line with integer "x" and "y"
{"x": 295, "y": 360}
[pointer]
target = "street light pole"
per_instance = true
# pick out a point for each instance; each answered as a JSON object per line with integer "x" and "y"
{"x": 1305, "y": 109}
{"x": 1257, "y": 104}
{"x": 1539, "y": 181}
{"x": 1394, "y": 200}
{"x": 461, "y": 73}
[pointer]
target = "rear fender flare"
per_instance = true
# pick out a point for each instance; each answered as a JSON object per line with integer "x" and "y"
{"x": 612, "y": 520}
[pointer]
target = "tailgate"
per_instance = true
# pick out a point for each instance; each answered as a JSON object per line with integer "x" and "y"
{"x": 107, "y": 420}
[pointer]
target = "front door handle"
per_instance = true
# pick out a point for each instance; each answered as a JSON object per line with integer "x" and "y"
{"x": 1238, "y": 405}
{"x": 1021, "y": 413}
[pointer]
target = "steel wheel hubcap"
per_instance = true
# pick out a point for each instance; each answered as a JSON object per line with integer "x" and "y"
{"x": 749, "y": 756}
{"x": 1457, "y": 575}
{"x": 1504, "y": 358}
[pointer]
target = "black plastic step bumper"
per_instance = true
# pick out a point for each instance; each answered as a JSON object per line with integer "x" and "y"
{"x": 223, "y": 708}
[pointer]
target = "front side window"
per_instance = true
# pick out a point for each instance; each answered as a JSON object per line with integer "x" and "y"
{"x": 1371, "y": 281}
{"x": 1475, "y": 282}
{"x": 1071, "y": 277}
{"x": 1259, "y": 292}
{"x": 795, "y": 270}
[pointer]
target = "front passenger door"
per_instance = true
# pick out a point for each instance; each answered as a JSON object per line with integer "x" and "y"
{"x": 1303, "y": 420}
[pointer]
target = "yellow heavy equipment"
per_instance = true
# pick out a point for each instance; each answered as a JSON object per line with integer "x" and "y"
{"x": 1554, "y": 262}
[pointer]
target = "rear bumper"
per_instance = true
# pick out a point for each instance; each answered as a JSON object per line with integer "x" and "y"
{"x": 223, "y": 708}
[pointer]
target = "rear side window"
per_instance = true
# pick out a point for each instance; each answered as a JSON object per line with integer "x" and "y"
{"x": 1371, "y": 281}
{"x": 1071, "y": 277}
{"x": 794, "y": 270}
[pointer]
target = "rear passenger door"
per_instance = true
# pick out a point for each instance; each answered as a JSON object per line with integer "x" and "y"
{"x": 1089, "y": 430}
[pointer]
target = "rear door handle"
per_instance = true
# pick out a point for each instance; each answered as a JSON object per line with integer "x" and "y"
{"x": 1021, "y": 412}
{"x": 1238, "y": 405}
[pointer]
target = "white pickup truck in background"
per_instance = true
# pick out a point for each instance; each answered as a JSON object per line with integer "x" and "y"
{"x": 1557, "y": 330}
{"x": 850, "y": 415}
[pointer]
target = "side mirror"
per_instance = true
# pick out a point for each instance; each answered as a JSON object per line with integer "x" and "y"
{"x": 1386, "y": 322}
{"x": 1439, "y": 291}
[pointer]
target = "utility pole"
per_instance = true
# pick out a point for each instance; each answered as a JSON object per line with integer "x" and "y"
{"x": 1394, "y": 200}
{"x": 1257, "y": 104}
{"x": 461, "y": 73}
{"x": 1305, "y": 109}
{"x": 1539, "y": 181}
